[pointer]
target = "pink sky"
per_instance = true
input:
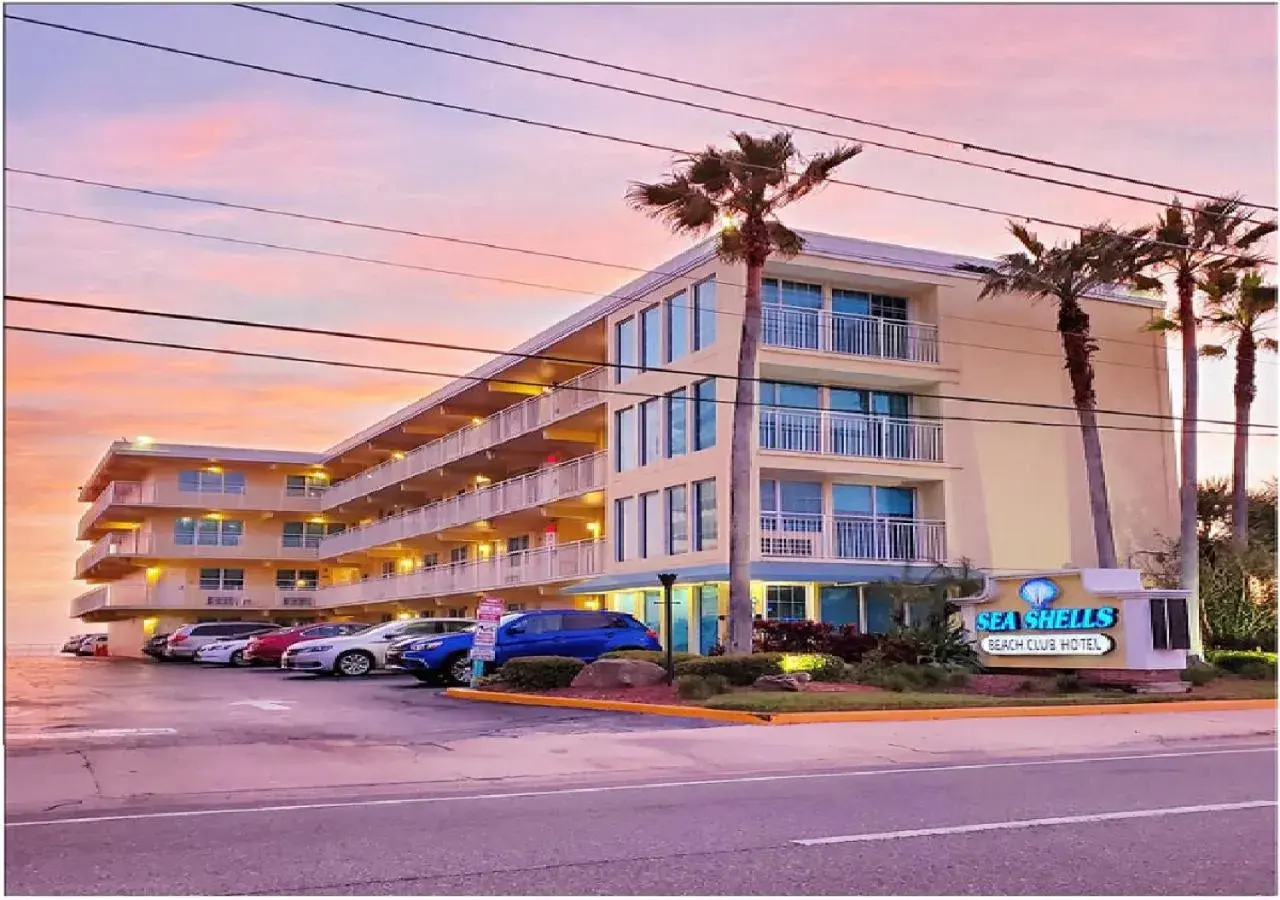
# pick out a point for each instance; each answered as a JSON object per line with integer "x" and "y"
{"x": 1141, "y": 90}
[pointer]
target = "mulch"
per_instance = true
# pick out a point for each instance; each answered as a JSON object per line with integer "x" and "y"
{"x": 665, "y": 695}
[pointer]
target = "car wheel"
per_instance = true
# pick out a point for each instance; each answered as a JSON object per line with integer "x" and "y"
{"x": 237, "y": 658}
{"x": 457, "y": 670}
{"x": 353, "y": 663}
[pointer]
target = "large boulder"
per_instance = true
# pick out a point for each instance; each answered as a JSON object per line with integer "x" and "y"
{"x": 619, "y": 673}
{"x": 777, "y": 683}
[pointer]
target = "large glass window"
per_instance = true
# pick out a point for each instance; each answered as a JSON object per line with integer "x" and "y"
{"x": 677, "y": 315}
{"x": 305, "y": 485}
{"x": 650, "y": 431}
{"x": 297, "y": 579}
{"x": 704, "y": 414}
{"x": 785, "y": 602}
{"x": 651, "y": 337}
{"x": 790, "y": 395}
{"x": 307, "y": 534}
{"x": 704, "y": 314}
{"x": 677, "y": 423}
{"x": 205, "y": 481}
{"x": 789, "y": 418}
{"x": 625, "y": 433}
{"x": 705, "y": 530}
{"x": 625, "y": 532}
{"x": 867, "y": 324}
{"x": 791, "y": 314}
{"x": 873, "y": 522}
{"x": 651, "y": 543}
{"x": 624, "y": 348}
{"x": 221, "y": 579}
{"x": 207, "y": 532}
{"x": 677, "y": 519}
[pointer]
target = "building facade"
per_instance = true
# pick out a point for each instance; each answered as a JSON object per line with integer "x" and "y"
{"x": 892, "y": 435}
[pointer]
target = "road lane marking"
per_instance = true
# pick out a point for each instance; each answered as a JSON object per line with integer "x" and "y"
{"x": 1034, "y": 823}
{"x": 263, "y": 704}
{"x": 89, "y": 733}
{"x": 615, "y": 788}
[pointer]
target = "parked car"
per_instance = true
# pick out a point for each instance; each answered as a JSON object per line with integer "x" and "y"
{"x": 184, "y": 642}
{"x": 154, "y": 647}
{"x": 73, "y": 643}
{"x": 585, "y": 634}
{"x": 266, "y": 649}
{"x": 90, "y": 644}
{"x": 228, "y": 651}
{"x": 362, "y": 652}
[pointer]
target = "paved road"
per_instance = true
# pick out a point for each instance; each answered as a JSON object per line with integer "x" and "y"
{"x": 1185, "y": 822}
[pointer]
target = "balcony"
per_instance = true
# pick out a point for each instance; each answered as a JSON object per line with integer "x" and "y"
{"x": 127, "y": 546}
{"x": 162, "y": 596}
{"x": 871, "y": 337}
{"x": 559, "y": 482}
{"x": 545, "y": 565}
{"x": 574, "y": 396}
{"x": 850, "y": 434}
{"x": 131, "y": 494}
{"x": 845, "y": 538}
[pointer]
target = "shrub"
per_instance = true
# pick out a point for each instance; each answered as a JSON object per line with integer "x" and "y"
{"x": 1257, "y": 669}
{"x": 820, "y": 666}
{"x": 540, "y": 673}
{"x": 897, "y": 682}
{"x": 957, "y": 678}
{"x": 803, "y": 636}
{"x": 693, "y": 687}
{"x": 1068, "y": 682}
{"x": 489, "y": 680}
{"x": 737, "y": 670}
{"x": 1235, "y": 660}
{"x": 1199, "y": 675}
{"x": 658, "y": 657}
{"x": 852, "y": 645}
{"x": 717, "y": 683}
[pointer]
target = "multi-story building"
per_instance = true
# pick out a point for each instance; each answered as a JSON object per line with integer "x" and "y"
{"x": 595, "y": 456}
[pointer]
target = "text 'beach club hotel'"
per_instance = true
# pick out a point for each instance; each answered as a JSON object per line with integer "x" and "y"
{"x": 574, "y": 478}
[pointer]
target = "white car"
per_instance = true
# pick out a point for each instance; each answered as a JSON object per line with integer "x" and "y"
{"x": 223, "y": 652}
{"x": 359, "y": 653}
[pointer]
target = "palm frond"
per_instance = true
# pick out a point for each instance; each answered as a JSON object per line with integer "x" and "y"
{"x": 1213, "y": 351}
{"x": 785, "y": 242}
{"x": 684, "y": 206}
{"x": 818, "y": 172}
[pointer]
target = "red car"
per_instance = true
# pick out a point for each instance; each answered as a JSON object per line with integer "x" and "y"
{"x": 266, "y": 649}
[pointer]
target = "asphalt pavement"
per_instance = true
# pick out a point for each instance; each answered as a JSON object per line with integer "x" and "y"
{"x": 1185, "y": 821}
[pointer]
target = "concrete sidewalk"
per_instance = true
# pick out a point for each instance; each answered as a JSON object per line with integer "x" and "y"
{"x": 96, "y": 776}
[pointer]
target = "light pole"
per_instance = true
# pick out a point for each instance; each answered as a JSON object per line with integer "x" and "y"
{"x": 667, "y": 579}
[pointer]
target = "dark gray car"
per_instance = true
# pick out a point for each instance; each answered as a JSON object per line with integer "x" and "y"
{"x": 185, "y": 641}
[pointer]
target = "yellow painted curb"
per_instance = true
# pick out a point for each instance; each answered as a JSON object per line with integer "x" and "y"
{"x": 863, "y": 715}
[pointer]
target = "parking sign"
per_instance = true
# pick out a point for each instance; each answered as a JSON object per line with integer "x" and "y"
{"x": 486, "y": 633}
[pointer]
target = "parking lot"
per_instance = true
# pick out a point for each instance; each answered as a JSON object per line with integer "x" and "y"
{"x": 63, "y": 702}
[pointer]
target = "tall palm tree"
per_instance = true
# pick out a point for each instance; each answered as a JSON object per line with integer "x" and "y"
{"x": 1099, "y": 259}
{"x": 1240, "y": 308}
{"x": 1191, "y": 243}
{"x": 741, "y": 189}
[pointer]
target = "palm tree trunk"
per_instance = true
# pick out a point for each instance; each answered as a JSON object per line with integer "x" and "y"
{"x": 1077, "y": 348}
{"x": 1245, "y": 391}
{"x": 741, "y": 490}
{"x": 1188, "y": 534}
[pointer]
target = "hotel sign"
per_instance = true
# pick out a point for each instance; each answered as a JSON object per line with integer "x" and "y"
{"x": 1044, "y": 631}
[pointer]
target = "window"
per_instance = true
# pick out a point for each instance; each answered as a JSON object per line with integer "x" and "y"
{"x": 791, "y": 500}
{"x": 785, "y": 602}
{"x": 388, "y": 568}
{"x": 297, "y": 579}
{"x": 587, "y": 621}
{"x": 1170, "y": 627}
{"x": 651, "y": 337}
{"x": 518, "y": 544}
{"x": 624, "y": 348}
{"x": 431, "y": 560}
{"x": 541, "y": 624}
{"x": 795, "y": 294}
{"x": 868, "y": 324}
{"x": 222, "y": 579}
{"x": 305, "y": 485}
{"x": 625, "y": 434}
{"x": 789, "y": 395}
{"x": 677, "y": 316}
{"x": 650, "y": 431}
{"x": 207, "y": 482}
{"x": 516, "y": 607}
{"x": 207, "y": 532}
{"x": 792, "y": 314}
{"x": 307, "y": 534}
{"x": 458, "y": 555}
{"x": 704, "y": 499}
{"x": 704, "y": 315}
{"x": 624, "y": 529}
{"x": 456, "y": 612}
{"x": 650, "y": 525}
{"x": 860, "y": 303}
{"x": 677, "y": 423}
{"x": 677, "y": 519}
{"x": 704, "y": 414}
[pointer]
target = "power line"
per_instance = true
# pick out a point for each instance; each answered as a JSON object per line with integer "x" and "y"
{"x": 964, "y": 145}
{"x": 545, "y": 357}
{"x": 686, "y": 103}
{"x": 552, "y": 126}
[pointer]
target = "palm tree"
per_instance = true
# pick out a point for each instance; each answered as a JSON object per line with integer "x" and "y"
{"x": 1241, "y": 309}
{"x": 741, "y": 189}
{"x": 1099, "y": 259}
{"x": 1191, "y": 243}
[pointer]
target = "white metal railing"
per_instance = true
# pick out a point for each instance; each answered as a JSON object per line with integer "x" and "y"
{"x": 850, "y": 434}
{"x": 143, "y": 543}
{"x": 92, "y": 599}
{"x": 124, "y": 493}
{"x": 527, "y": 567}
{"x": 853, "y": 335}
{"x": 569, "y": 398}
{"x": 188, "y": 596}
{"x": 115, "y": 543}
{"x": 567, "y": 479}
{"x": 835, "y": 537}
{"x": 169, "y": 494}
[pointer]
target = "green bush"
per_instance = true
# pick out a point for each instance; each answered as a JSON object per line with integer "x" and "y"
{"x": 717, "y": 683}
{"x": 654, "y": 656}
{"x": 1257, "y": 669}
{"x": 693, "y": 687}
{"x": 957, "y": 678}
{"x": 540, "y": 673}
{"x": 820, "y": 666}
{"x": 1199, "y": 675}
{"x": 737, "y": 670}
{"x": 896, "y": 682}
{"x": 1068, "y": 683}
{"x": 1236, "y": 661}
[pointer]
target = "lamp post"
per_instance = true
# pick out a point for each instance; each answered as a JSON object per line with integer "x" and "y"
{"x": 667, "y": 579}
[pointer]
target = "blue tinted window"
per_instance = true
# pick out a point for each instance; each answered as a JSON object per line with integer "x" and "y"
{"x": 704, "y": 314}
{"x": 790, "y": 395}
{"x": 677, "y": 315}
{"x": 677, "y": 423}
{"x": 705, "y": 526}
{"x": 625, "y": 433}
{"x": 791, "y": 293}
{"x": 624, "y": 350}
{"x": 704, "y": 413}
{"x": 852, "y": 500}
{"x": 651, "y": 337}
{"x": 892, "y": 501}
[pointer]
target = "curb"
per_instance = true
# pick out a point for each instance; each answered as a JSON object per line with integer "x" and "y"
{"x": 866, "y": 715}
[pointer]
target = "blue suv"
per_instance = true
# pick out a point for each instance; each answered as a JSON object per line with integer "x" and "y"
{"x": 584, "y": 634}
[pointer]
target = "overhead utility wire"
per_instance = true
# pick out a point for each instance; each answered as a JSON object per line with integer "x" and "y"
{"x": 562, "y": 289}
{"x": 691, "y": 104}
{"x": 964, "y": 145}
{"x": 544, "y": 357}
{"x": 480, "y": 379}
{"x": 566, "y": 129}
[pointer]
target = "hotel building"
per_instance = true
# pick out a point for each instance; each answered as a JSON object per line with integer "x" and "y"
{"x": 596, "y": 455}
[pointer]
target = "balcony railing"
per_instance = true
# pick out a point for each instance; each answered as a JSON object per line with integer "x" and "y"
{"x": 869, "y": 336}
{"x": 168, "y": 494}
{"x": 166, "y": 546}
{"x": 188, "y": 596}
{"x": 871, "y": 538}
{"x": 574, "y": 396}
{"x": 850, "y": 434}
{"x": 528, "y": 567}
{"x": 568, "y": 479}
{"x": 116, "y": 543}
